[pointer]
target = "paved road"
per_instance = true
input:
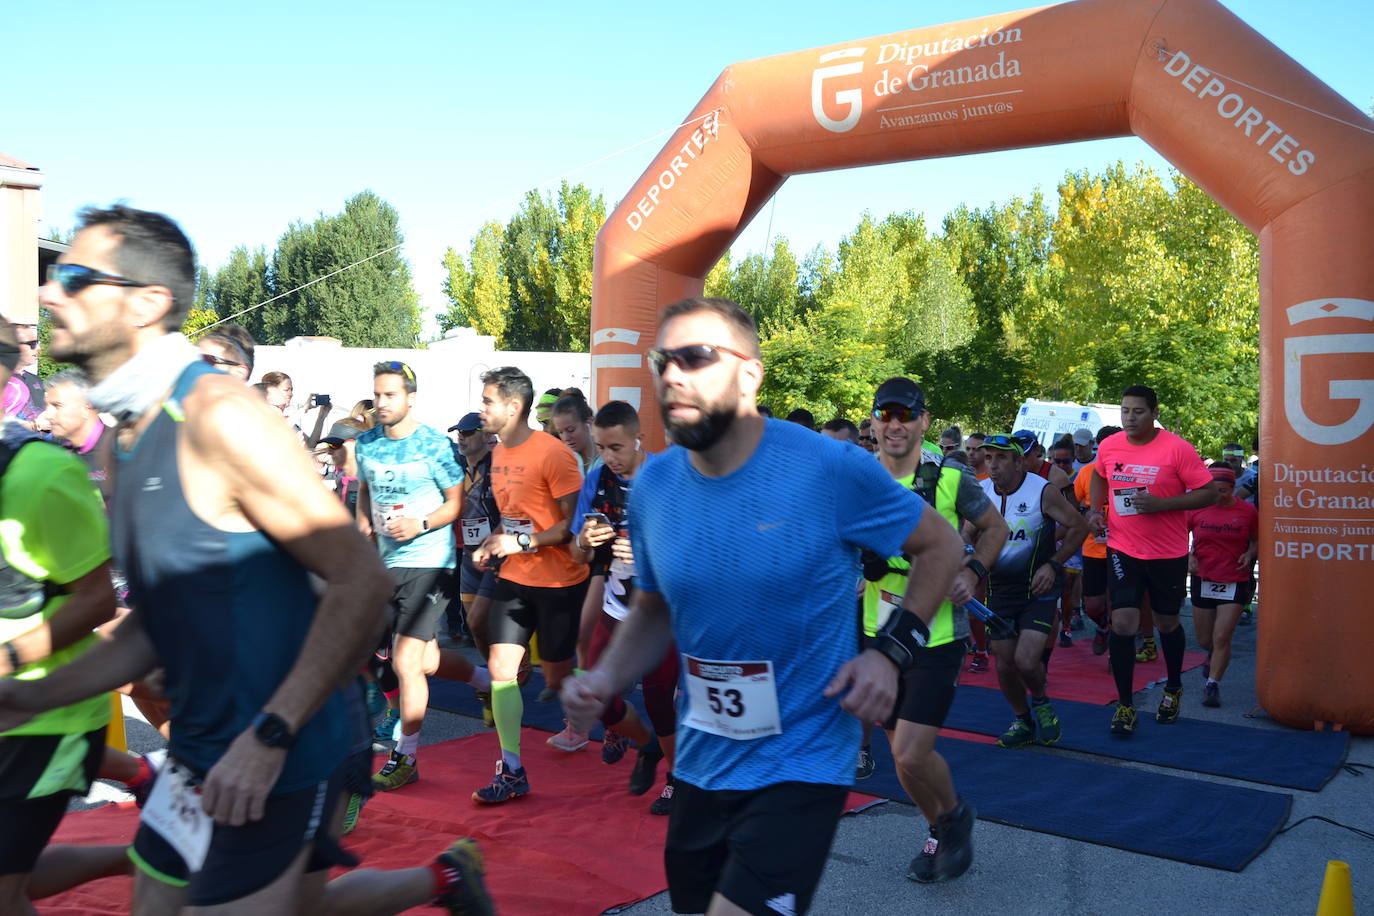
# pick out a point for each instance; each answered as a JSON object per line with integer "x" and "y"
{"x": 1020, "y": 871}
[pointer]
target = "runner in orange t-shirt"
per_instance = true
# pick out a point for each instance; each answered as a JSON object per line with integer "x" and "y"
{"x": 1149, "y": 478}
{"x": 538, "y": 587}
{"x": 1095, "y": 603}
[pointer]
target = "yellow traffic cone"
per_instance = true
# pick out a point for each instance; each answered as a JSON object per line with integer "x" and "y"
{"x": 1336, "y": 898}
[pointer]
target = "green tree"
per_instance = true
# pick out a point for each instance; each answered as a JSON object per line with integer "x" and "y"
{"x": 197, "y": 320}
{"x": 477, "y": 289}
{"x": 766, "y": 286}
{"x": 371, "y": 304}
{"x": 242, "y": 283}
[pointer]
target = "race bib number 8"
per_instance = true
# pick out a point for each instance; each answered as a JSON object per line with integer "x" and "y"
{"x": 737, "y": 700}
{"x": 1218, "y": 591}
{"x": 475, "y": 531}
{"x": 1124, "y": 499}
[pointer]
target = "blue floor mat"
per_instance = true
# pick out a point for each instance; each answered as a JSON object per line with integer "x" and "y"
{"x": 1291, "y": 759}
{"x": 1188, "y": 820}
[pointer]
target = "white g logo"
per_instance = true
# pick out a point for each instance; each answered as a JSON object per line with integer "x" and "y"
{"x": 854, "y": 98}
{"x": 1359, "y": 390}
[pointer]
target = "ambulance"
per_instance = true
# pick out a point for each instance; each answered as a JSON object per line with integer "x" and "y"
{"x": 1052, "y": 420}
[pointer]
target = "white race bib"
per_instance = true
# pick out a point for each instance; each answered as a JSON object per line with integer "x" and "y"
{"x": 889, "y": 603}
{"x": 475, "y": 531}
{"x": 174, "y": 811}
{"x": 381, "y": 514}
{"x": 1219, "y": 591}
{"x": 1124, "y": 499}
{"x": 737, "y": 700}
{"x": 517, "y": 526}
{"x": 1101, "y": 538}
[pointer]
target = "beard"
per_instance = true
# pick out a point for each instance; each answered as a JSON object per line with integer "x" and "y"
{"x": 716, "y": 420}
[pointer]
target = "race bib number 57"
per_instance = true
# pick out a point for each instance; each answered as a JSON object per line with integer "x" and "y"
{"x": 732, "y": 699}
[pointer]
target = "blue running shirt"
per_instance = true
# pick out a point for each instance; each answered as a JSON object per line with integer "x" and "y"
{"x": 408, "y": 477}
{"x": 763, "y": 564}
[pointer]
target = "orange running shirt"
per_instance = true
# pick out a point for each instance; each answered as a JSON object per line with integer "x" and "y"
{"x": 528, "y": 481}
{"x": 1082, "y": 488}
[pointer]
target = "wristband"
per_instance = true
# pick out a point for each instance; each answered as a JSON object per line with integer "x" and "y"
{"x": 1057, "y": 567}
{"x": 900, "y": 637}
{"x": 15, "y": 663}
{"x": 976, "y": 567}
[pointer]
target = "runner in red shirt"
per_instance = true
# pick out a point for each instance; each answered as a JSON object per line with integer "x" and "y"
{"x": 1149, "y": 478}
{"x": 1225, "y": 542}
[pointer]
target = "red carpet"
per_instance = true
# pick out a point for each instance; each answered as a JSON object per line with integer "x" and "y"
{"x": 578, "y": 844}
{"x": 1077, "y": 674}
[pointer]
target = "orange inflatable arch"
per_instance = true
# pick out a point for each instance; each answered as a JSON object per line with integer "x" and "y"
{"x": 1286, "y": 155}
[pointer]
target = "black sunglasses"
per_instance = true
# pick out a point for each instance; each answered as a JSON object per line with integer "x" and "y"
{"x": 468, "y": 432}
{"x": 214, "y": 360}
{"x": 868, "y": 439}
{"x": 689, "y": 358}
{"x": 73, "y": 278}
{"x": 28, "y": 343}
{"x": 900, "y": 414}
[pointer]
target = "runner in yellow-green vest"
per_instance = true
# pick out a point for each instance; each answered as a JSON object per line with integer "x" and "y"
{"x": 54, "y": 591}
{"x": 900, "y": 420}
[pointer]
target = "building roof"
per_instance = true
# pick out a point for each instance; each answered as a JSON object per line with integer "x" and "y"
{"x": 13, "y": 163}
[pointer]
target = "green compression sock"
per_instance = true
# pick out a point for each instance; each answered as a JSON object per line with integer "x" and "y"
{"x": 507, "y": 708}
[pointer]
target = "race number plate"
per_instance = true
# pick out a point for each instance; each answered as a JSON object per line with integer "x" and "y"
{"x": 1218, "y": 591}
{"x": 382, "y": 514}
{"x": 475, "y": 531}
{"x": 737, "y": 700}
{"x": 174, "y": 811}
{"x": 517, "y": 526}
{"x": 1124, "y": 499}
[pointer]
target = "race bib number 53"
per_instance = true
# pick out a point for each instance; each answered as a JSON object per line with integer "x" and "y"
{"x": 732, "y": 699}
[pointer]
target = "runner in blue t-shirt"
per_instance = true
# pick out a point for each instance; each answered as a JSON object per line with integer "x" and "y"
{"x": 750, "y": 533}
{"x": 410, "y": 495}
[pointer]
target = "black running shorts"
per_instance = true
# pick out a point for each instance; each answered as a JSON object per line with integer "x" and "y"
{"x": 1244, "y": 594}
{"x": 1129, "y": 580}
{"x": 764, "y": 850}
{"x": 418, "y": 601}
{"x": 554, "y": 613}
{"x": 1026, "y": 614}
{"x": 475, "y": 582}
{"x": 926, "y": 691}
{"x": 1095, "y": 571}
{"x": 25, "y": 762}
{"x": 244, "y": 860}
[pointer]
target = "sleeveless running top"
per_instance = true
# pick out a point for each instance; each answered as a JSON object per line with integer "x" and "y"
{"x": 1031, "y": 542}
{"x": 226, "y": 611}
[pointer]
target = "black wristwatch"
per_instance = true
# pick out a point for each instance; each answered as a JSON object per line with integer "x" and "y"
{"x": 524, "y": 540}
{"x": 1057, "y": 567}
{"x": 272, "y": 730}
{"x": 978, "y": 568}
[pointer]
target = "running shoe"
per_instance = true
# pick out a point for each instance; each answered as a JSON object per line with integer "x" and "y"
{"x": 355, "y": 808}
{"x": 399, "y": 770}
{"x": 488, "y": 717}
{"x": 569, "y": 740}
{"x": 645, "y": 772}
{"x": 978, "y": 662}
{"x": 1247, "y": 617}
{"x": 1019, "y": 735}
{"x": 1148, "y": 652}
{"x": 466, "y": 892}
{"x": 955, "y": 851}
{"x": 866, "y": 764}
{"x": 547, "y": 695}
{"x": 922, "y": 868}
{"x": 1047, "y": 729}
{"x": 1123, "y": 720}
{"x": 1100, "y": 639}
{"x": 506, "y": 785}
{"x": 1169, "y": 706}
{"x": 663, "y": 805}
{"x": 386, "y": 729}
{"x": 1211, "y": 694}
{"x": 1065, "y": 639}
{"x": 613, "y": 746}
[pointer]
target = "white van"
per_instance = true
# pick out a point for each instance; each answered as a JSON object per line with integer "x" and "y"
{"x": 1052, "y": 420}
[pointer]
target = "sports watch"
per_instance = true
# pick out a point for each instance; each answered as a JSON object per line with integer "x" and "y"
{"x": 272, "y": 730}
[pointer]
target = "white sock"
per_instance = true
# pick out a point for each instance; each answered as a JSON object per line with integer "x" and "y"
{"x": 408, "y": 744}
{"x": 480, "y": 678}
{"x": 1212, "y": 680}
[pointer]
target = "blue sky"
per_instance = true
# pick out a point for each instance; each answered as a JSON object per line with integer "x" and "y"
{"x": 237, "y": 119}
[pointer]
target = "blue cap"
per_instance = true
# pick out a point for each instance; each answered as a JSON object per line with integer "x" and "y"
{"x": 469, "y": 422}
{"x": 1026, "y": 439}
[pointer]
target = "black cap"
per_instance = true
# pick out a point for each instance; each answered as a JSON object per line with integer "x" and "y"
{"x": 900, "y": 390}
